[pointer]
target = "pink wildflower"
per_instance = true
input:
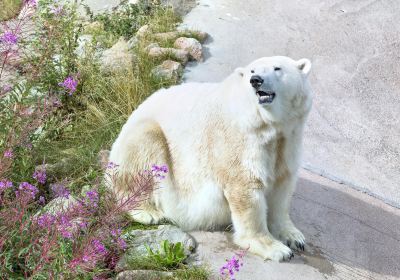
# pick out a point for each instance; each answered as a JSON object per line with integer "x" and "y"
{"x": 122, "y": 243}
{"x": 93, "y": 197}
{"x": 99, "y": 247}
{"x": 42, "y": 200}
{"x": 232, "y": 266}
{"x": 111, "y": 165}
{"x": 46, "y": 221}
{"x": 158, "y": 171}
{"x": 59, "y": 190}
{"x": 25, "y": 187}
{"x": 9, "y": 38}
{"x": 5, "y": 185}
{"x": 69, "y": 84}
{"x": 32, "y": 3}
{"x": 40, "y": 176}
{"x": 8, "y": 154}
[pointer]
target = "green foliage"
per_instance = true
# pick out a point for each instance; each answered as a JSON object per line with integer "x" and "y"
{"x": 169, "y": 255}
{"x": 86, "y": 122}
{"x": 125, "y": 21}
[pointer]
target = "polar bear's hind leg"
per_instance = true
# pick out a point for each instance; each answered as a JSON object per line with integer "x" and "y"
{"x": 146, "y": 145}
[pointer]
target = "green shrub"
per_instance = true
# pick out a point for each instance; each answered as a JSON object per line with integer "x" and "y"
{"x": 169, "y": 255}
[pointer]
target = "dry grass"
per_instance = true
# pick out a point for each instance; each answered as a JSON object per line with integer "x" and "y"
{"x": 9, "y": 9}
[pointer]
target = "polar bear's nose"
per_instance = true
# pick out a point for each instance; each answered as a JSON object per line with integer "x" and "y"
{"x": 256, "y": 81}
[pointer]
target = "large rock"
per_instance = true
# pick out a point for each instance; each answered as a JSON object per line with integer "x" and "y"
{"x": 143, "y": 275}
{"x": 169, "y": 69}
{"x": 143, "y": 31}
{"x": 118, "y": 57}
{"x": 181, "y": 55}
{"x": 192, "y": 46}
{"x": 172, "y": 35}
{"x": 138, "y": 239}
{"x": 84, "y": 41}
{"x": 59, "y": 205}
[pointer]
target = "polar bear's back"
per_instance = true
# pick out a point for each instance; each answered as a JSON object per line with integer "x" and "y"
{"x": 179, "y": 101}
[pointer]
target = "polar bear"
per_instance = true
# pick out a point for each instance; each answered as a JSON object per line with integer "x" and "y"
{"x": 232, "y": 149}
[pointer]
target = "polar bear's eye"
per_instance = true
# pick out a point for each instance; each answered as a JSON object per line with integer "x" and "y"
{"x": 252, "y": 71}
{"x": 277, "y": 68}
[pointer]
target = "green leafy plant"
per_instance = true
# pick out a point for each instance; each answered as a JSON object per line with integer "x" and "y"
{"x": 169, "y": 255}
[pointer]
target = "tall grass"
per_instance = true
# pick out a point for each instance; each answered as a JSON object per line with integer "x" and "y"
{"x": 102, "y": 107}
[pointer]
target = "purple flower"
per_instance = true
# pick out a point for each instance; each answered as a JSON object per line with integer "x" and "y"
{"x": 86, "y": 258}
{"x": 5, "y": 185}
{"x": 232, "y": 266}
{"x": 46, "y": 220}
{"x": 6, "y": 88}
{"x": 65, "y": 233}
{"x": 59, "y": 190}
{"x": 69, "y": 84}
{"x": 83, "y": 225}
{"x": 116, "y": 232}
{"x": 40, "y": 176}
{"x": 93, "y": 197}
{"x": 8, "y": 154}
{"x": 42, "y": 200}
{"x": 121, "y": 243}
{"x": 111, "y": 165}
{"x": 99, "y": 247}
{"x": 32, "y": 3}
{"x": 25, "y": 187}
{"x": 158, "y": 171}
{"x": 56, "y": 10}
{"x": 64, "y": 221}
{"x": 64, "y": 226}
{"x": 9, "y": 38}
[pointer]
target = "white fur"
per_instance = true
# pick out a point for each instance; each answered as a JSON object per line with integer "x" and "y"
{"x": 219, "y": 137}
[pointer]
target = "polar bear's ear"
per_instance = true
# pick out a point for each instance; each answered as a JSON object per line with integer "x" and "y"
{"x": 304, "y": 65}
{"x": 240, "y": 71}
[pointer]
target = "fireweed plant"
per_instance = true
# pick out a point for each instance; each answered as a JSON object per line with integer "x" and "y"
{"x": 58, "y": 109}
{"x": 76, "y": 240}
{"x": 232, "y": 266}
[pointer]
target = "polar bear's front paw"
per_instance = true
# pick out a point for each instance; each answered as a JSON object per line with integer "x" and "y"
{"x": 266, "y": 247}
{"x": 291, "y": 236}
{"x": 277, "y": 251}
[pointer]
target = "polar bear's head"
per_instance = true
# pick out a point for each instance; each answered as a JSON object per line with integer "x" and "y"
{"x": 278, "y": 86}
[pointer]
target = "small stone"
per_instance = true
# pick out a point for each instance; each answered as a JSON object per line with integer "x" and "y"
{"x": 117, "y": 57}
{"x": 169, "y": 69}
{"x": 143, "y": 275}
{"x": 151, "y": 46}
{"x": 136, "y": 240}
{"x": 181, "y": 55}
{"x": 201, "y": 36}
{"x": 191, "y": 45}
{"x": 133, "y": 42}
{"x": 83, "y": 42}
{"x": 143, "y": 31}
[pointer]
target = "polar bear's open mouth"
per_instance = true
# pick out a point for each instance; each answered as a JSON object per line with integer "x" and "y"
{"x": 265, "y": 96}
